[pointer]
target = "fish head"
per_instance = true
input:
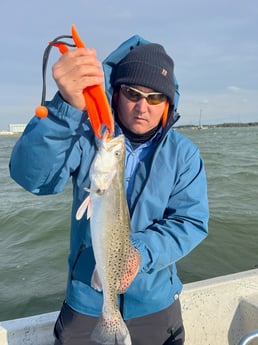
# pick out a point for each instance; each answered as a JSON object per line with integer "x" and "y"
{"x": 108, "y": 162}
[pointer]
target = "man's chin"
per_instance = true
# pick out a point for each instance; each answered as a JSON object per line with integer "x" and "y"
{"x": 138, "y": 129}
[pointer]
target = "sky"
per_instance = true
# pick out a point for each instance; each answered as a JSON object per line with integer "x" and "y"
{"x": 214, "y": 45}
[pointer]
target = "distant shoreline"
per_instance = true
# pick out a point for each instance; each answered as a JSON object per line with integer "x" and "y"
{"x": 9, "y": 134}
{"x": 221, "y": 125}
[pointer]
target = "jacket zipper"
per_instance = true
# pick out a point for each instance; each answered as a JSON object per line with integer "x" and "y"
{"x": 81, "y": 249}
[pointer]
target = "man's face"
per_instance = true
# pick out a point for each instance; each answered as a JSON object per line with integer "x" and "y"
{"x": 139, "y": 117}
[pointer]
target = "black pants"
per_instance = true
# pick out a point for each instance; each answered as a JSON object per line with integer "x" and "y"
{"x": 161, "y": 328}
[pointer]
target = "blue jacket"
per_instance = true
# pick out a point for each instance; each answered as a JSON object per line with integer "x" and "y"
{"x": 167, "y": 199}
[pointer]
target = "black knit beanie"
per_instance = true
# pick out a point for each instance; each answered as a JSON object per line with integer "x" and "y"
{"x": 147, "y": 65}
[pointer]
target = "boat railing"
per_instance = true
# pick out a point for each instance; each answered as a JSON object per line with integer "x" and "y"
{"x": 248, "y": 337}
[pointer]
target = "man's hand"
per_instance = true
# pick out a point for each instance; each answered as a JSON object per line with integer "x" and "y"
{"x": 74, "y": 71}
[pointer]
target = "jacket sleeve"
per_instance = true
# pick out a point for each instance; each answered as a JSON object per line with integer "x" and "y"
{"x": 48, "y": 151}
{"x": 184, "y": 223}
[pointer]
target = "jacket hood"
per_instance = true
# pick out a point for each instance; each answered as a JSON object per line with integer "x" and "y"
{"x": 116, "y": 56}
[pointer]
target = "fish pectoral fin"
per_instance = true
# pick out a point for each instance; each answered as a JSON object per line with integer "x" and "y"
{"x": 81, "y": 210}
{"x": 89, "y": 210}
{"x": 96, "y": 281}
{"x": 131, "y": 269}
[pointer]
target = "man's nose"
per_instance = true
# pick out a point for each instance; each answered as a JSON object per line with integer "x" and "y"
{"x": 142, "y": 105}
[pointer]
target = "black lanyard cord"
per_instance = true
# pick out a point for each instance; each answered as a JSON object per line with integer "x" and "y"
{"x": 57, "y": 40}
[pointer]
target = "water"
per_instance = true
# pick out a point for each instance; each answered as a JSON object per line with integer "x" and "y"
{"x": 34, "y": 231}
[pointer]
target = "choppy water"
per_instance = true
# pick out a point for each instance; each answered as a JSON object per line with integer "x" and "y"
{"x": 34, "y": 231}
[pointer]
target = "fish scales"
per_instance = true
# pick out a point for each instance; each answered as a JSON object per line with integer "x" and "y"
{"x": 110, "y": 232}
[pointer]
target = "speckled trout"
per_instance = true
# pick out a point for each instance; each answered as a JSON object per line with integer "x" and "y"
{"x": 116, "y": 258}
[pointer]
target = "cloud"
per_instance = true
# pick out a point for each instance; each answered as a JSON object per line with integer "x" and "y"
{"x": 233, "y": 88}
{"x": 218, "y": 107}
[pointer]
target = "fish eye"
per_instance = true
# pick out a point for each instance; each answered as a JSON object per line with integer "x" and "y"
{"x": 117, "y": 153}
{"x": 100, "y": 191}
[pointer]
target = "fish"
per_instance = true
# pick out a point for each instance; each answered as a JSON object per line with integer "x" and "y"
{"x": 116, "y": 258}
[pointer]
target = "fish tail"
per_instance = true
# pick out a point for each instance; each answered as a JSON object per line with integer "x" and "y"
{"x": 111, "y": 331}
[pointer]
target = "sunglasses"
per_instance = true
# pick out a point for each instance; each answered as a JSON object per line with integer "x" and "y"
{"x": 134, "y": 95}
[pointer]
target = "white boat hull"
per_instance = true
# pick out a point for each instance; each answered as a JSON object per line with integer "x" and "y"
{"x": 217, "y": 311}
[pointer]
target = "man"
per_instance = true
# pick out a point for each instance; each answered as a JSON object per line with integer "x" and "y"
{"x": 164, "y": 179}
